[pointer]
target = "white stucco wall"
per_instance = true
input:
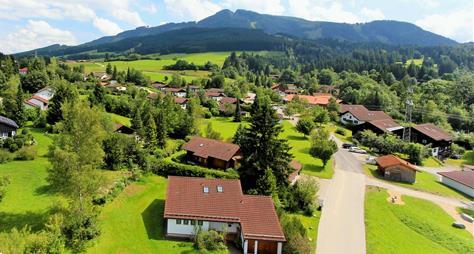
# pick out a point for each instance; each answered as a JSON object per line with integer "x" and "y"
{"x": 181, "y": 229}
{"x": 348, "y": 118}
{"x": 460, "y": 187}
{"x": 220, "y": 226}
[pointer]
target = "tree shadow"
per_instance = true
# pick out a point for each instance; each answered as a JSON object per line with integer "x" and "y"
{"x": 35, "y": 221}
{"x": 46, "y": 190}
{"x": 153, "y": 219}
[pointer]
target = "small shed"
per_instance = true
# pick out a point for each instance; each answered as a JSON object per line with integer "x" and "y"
{"x": 395, "y": 169}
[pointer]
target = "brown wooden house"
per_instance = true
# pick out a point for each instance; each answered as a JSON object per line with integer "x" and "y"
{"x": 395, "y": 169}
{"x": 212, "y": 153}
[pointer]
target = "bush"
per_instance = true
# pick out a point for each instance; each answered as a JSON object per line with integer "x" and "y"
{"x": 4, "y": 181}
{"x": 5, "y": 156}
{"x": 295, "y": 233}
{"x": 340, "y": 131}
{"x": 27, "y": 153}
{"x": 305, "y": 191}
{"x": 209, "y": 240}
{"x": 165, "y": 168}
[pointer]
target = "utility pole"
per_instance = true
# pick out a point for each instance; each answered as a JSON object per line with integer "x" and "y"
{"x": 408, "y": 110}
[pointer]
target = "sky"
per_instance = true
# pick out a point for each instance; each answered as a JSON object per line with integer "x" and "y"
{"x": 30, "y": 24}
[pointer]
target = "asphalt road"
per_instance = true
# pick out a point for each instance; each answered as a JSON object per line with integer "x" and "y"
{"x": 342, "y": 228}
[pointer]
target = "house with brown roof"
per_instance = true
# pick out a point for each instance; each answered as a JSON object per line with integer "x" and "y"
{"x": 40, "y": 99}
{"x": 212, "y": 153}
{"x": 359, "y": 114}
{"x": 23, "y": 71}
{"x": 462, "y": 181}
{"x": 379, "y": 126}
{"x": 215, "y": 93}
{"x": 393, "y": 168}
{"x": 182, "y": 102}
{"x": 438, "y": 139}
{"x": 177, "y": 92}
{"x": 102, "y": 76}
{"x": 319, "y": 99}
{"x": 219, "y": 204}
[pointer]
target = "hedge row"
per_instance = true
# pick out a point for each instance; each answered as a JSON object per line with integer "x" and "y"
{"x": 166, "y": 167}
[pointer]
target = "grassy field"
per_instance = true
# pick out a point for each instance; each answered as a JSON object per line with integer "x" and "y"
{"x": 431, "y": 162}
{"x": 120, "y": 119}
{"x": 311, "y": 224}
{"x": 418, "y": 226}
{"x": 299, "y": 143}
{"x": 424, "y": 182}
{"x": 468, "y": 158}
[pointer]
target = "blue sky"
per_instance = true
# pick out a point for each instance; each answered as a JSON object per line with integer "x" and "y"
{"x": 29, "y": 24}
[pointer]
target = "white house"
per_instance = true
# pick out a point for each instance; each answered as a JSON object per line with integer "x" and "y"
{"x": 194, "y": 204}
{"x": 41, "y": 98}
{"x": 358, "y": 114}
{"x": 462, "y": 181}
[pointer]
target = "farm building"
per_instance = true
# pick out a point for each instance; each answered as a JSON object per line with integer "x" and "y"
{"x": 462, "y": 181}
{"x": 220, "y": 205}
{"x": 396, "y": 169}
{"x": 8, "y": 127}
{"x": 212, "y": 153}
{"x": 40, "y": 99}
{"x": 429, "y": 134}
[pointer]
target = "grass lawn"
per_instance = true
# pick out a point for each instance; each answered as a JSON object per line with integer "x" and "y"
{"x": 418, "y": 226}
{"x": 431, "y": 162}
{"x": 468, "y": 158}
{"x": 311, "y": 224}
{"x": 133, "y": 222}
{"x": 424, "y": 182}
{"x": 299, "y": 143}
{"x": 120, "y": 119}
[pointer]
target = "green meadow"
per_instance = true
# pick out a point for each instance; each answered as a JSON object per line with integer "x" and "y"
{"x": 418, "y": 226}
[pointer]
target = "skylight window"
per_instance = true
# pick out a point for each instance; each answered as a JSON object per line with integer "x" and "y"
{"x": 220, "y": 188}
{"x": 206, "y": 189}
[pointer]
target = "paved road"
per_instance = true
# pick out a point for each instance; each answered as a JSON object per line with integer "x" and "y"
{"x": 341, "y": 228}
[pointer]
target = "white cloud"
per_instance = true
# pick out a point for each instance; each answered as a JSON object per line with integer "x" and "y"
{"x": 328, "y": 12}
{"x": 106, "y": 26}
{"x": 458, "y": 24}
{"x": 130, "y": 17}
{"x": 18, "y": 9}
{"x": 428, "y": 3}
{"x": 372, "y": 14}
{"x": 261, "y": 6}
{"x": 192, "y": 9}
{"x": 36, "y": 34}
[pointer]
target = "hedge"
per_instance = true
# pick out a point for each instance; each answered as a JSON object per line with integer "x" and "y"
{"x": 166, "y": 168}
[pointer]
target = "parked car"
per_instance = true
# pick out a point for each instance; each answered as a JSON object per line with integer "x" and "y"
{"x": 355, "y": 149}
{"x": 459, "y": 225}
{"x": 370, "y": 160}
{"x": 347, "y": 145}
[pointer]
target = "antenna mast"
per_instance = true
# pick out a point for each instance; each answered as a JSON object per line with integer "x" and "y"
{"x": 408, "y": 110}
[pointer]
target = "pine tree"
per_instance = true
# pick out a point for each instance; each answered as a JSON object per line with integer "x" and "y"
{"x": 151, "y": 132}
{"x": 238, "y": 112}
{"x": 114, "y": 73}
{"x": 161, "y": 129}
{"x": 108, "y": 69}
{"x": 137, "y": 122}
{"x": 20, "y": 117}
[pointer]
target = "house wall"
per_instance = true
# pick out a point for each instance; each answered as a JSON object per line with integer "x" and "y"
{"x": 180, "y": 229}
{"x": 216, "y": 163}
{"x": 400, "y": 174}
{"x": 348, "y": 118}
{"x": 460, "y": 187}
{"x": 6, "y": 131}
{"x": 180, "y": 94}
{"x": 222, "y": 226}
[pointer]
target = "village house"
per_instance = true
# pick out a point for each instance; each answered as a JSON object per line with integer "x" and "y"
{"x": 227, "y": 103}
{"x": 462, "y": 181}
{"x": 8, "y": 127}
{"x": 102, "y": 76}
{"x": 23, "y": 71}
{"x": 283, "y": 90}
{"x": 40, "y": 99}
{"x": 212, "y": 153}
{"x": 160, "y": 86}
{"x": 393, "y": 168}
{"x": 176, "y": 92}
{"x": 317, "y": 99}
{"x": 182, "y": 102}
{"x": 359, "y": 114}
{"x": 215, "y": 93}
{"x": 220, "y": 205}
{"x": 379, "y": 126}
{"x": 429, "y": 134}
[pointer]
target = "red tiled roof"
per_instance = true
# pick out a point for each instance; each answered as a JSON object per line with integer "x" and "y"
{"x": 297, "y": 167}
{"x": 185, "y": 199}
{"x": 362, "y": 113}
{"x": 316, "y": 99}
{"x": 433, "y": 132}
{"x": 392, "y": 160}
{"x": 463, "y": 177}
{"x": 179, "y": 100}
{"x": 228, "y": 100}
{"x": 386, "y": 125}
{"x": 205, "y": 147}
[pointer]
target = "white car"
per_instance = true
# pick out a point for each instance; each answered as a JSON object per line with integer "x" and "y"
{"x": 370, "y": 160}
{"x": 356, "y": 149}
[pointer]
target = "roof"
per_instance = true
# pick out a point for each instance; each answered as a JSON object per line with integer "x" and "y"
{"x": 179, "y": 100}
{"x": 214, "y": 94}
{"x": 463, "y": 177}
{"x": 362, "y": 113}
{"x": 392, "y": 160}
{"x": 316, "y": 99}
{"x": 185, "y": 199}
{"x": 228, "y": 100}
{"x": 8, "y": 121}
{"x": 39, "y": 98}
{"x": 174, "y": 89}
{"x": 385, "y": 125}
{"x": 23, "y": 69}
{"x": 205, "y": 147}
{"x": 158, "y": 85}
{"x": 297, "y": 167}
{"x": 433, "y": 132}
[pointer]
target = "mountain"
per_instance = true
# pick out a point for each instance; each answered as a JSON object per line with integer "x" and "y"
{"x": 265, "y": 30}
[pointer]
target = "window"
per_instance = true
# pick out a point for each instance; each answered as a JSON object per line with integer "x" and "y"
{"x": 200, "y": 222}
{"x": 206, "y": 189}
{"x": 229, "y": 225}
{"x": 220, "y": 188}
{"x": 178, "y": 222}
{"x": 193, "y": 222}
{"x": 186, "y": 222}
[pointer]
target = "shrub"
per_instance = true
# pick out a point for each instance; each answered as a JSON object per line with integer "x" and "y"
{"x": 4, "y": 181}
{"x": 295, "y": 233}
{"x": 5, "y": 156}
{"x": 165, "y": 168}
{"x": 209, "y": 240}
{"x": 27, "y": 153}
{"x": 340, "y": 131}
{"x": 305, "y": 191}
